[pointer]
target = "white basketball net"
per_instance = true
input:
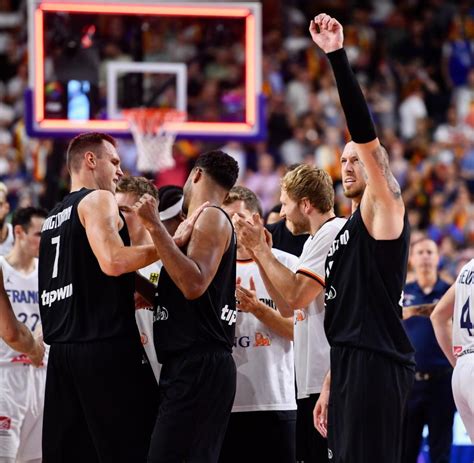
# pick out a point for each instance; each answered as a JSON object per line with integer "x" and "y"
{"x": 154, "y": 142}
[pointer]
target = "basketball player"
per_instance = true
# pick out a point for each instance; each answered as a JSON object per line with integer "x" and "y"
{"x": 433, "y": 371}
{"x": 263, "y": 419}
{"x": 6, "y": 229}
{"x": 372, "y": 366}
{"x": 452, "y": 323}
{"x": 196, "y": 314}
{"x": 307, "y": 197}
{"x": 16, "y": 335}
{"x": 22, "y": 385}
{"x": 129, "y": 191}
{"x": 97, "y": 387}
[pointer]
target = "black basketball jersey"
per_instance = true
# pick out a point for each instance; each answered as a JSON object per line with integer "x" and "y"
{"x": 79, "y": 302}
{"x": 364, "y": 291}
{"x": 182, "y": 324}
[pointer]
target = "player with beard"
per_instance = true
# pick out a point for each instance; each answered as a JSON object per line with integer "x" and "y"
{"x": 372, "y": 365}
{"x": 307, "y": 198}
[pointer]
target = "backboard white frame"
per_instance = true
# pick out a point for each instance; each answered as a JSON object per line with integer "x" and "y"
{"x": 115, "y": 68}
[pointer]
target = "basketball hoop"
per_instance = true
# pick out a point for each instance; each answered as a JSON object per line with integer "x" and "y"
{"x": 152, "y": 135}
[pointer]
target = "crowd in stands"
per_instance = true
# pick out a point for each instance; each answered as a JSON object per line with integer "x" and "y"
{"x": 414, "y": 58}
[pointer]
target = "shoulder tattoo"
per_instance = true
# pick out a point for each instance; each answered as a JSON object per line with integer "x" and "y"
{"x": 381, "y": 158}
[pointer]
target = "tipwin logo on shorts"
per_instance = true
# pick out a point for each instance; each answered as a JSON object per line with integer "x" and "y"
{"x": 228, "y": 315}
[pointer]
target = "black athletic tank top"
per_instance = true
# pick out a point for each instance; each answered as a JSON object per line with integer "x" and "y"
{"x": 78, "y": 302}
{"x": 182, "y": 324}
{"x": 364, "y": 283}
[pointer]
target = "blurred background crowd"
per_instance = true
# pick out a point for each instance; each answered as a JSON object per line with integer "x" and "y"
{"x": 415, "y": 60}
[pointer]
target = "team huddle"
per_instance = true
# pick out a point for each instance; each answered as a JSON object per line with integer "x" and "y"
{"x": 178, "y": 325}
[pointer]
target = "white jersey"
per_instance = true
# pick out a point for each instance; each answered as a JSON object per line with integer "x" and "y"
{"x": 21, "y": 412}
{"x": 21, "y": 385}
{"x": 7, "y": 245}
{"x": 22, "y": 290}
{"x": 463, "y": 327}
{"x": 264, "y": 359}
{"x": 311, "y": 345}
{"x": 144, "y": 319}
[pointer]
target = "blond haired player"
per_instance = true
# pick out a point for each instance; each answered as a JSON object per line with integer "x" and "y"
{"x": 307, "y": 198}
{"x": 452, "y": 321}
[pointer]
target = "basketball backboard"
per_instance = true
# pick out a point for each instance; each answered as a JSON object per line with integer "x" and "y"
{"x": 89, "y": 60}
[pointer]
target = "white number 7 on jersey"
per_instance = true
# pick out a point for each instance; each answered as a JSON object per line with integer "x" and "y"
{"x": 55, "y": 241}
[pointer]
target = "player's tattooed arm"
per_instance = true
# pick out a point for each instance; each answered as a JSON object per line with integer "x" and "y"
{"x": 380, "y": 156}
{"x": 382, "y": 205}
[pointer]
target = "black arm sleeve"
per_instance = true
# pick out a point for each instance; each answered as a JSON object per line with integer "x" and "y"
{"x": 359, "y": 121}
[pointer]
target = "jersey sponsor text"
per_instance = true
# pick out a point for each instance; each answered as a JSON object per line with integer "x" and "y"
{"x": 228, "y": 315}
{"x": 50, "y": 297}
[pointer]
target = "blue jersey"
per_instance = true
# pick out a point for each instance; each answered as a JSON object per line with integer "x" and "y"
{"x": 428, "y": 355}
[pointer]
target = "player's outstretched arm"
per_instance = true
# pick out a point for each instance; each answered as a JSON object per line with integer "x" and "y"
{"x": 382, "y": 207}
{"x": 442, "y": 319}
{"x": 15, "y": 333}
{"x": 99, "y": 215}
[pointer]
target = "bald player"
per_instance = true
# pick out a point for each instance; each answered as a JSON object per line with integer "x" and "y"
{"x": 372, "y": 364}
